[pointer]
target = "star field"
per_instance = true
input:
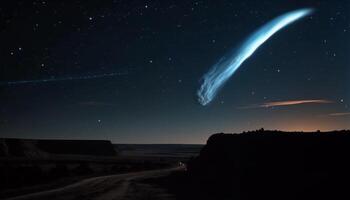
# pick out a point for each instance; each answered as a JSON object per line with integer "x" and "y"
{"x": 165, "y": 47}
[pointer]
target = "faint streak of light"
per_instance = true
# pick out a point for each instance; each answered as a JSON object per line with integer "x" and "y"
{"x": 287, "y": 103}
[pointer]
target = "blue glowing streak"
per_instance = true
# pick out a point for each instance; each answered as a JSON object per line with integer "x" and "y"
{"x": 70, "y": 78}
{"x": 227, "y": 65}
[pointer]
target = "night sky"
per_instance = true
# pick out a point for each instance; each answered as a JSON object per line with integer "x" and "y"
{"x": 157, "y": 52}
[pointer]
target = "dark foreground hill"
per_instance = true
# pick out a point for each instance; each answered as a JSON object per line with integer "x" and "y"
{"x": 277, "y": 165}
{"x": 268, "y": 165}
{"x": 31, "y": 148}
{"x": 30, "y": 165}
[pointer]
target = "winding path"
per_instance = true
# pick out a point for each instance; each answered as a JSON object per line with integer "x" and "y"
{"x": 118, "y": 187}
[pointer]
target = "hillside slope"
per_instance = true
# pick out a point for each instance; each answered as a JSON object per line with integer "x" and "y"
{"x": 33, "y": 148}
{"x": 274, "y": 165}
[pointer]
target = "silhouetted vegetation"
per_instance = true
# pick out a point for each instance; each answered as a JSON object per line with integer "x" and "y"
{"x": 15, "y": 177}
{"x": 83, "y": 169}
{"x": 59, "y": 171}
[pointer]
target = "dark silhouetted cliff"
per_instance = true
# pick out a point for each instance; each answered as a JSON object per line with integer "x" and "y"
{"x": 45, "y": 148}
{"x": 273, "y": 165}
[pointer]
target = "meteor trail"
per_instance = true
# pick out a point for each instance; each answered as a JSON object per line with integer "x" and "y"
{"x": 227, "y": 65}
{"x": 70, "y": 78}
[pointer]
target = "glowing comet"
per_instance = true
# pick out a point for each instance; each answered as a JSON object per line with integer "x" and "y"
{"x": 227, "y": 65}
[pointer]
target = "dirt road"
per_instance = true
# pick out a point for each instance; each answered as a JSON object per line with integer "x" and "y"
{"x": 113, "y": 187}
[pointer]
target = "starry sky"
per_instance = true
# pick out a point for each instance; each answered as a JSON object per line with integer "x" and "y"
{"x": 157, "y": 52}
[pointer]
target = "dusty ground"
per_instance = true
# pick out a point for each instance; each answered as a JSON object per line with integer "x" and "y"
{"x": 119, "y": 187}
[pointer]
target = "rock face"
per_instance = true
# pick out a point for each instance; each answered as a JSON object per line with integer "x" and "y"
{"x": 45, "y": 148}
{"x": 275, "y": 165}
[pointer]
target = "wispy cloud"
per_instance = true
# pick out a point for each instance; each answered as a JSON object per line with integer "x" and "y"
{"x": 339, "y": 114}
{"x": 287, "y": 103}
{"x": 95, "y": 104}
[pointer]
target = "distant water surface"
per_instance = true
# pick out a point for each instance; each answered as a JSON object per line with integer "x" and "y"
{"x": 166, "y": 150}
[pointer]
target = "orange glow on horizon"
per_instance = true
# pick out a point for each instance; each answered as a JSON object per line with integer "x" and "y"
{"x": 310, "y": 125}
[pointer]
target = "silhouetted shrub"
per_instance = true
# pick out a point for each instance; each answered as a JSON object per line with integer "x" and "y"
{"x": 59, "y": 171}
{"x": 83, "y": 169}
{"x": 14, "y": 177}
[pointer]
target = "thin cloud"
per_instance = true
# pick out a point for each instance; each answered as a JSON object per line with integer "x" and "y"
{"x": 287, "y": 103}
{"x": 339, "y": 114}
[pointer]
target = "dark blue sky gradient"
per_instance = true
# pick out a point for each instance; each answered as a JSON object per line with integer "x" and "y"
{"x": 165, "y": 47}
